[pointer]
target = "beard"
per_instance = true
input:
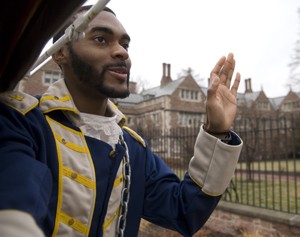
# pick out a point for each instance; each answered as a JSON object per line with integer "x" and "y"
{"x": 87, "y": 74}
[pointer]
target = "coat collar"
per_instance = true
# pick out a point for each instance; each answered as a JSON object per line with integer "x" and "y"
{"x": 58, "y": 97}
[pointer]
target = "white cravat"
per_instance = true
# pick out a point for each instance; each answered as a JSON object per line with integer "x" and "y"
{"x": 100, "y": 127}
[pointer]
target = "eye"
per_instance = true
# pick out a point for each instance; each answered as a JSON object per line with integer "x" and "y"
{"x": 125, "y": 46}
{"x": 125, "y": 43}
{"x": 100, "y": 39}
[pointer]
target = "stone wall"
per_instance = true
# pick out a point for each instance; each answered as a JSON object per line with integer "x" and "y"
{"x": 234, "y": 220}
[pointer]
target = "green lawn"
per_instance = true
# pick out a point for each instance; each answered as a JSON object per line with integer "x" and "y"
{"x": 276, "y": 194}
{"x": 276, "y": 165}
{"x": 273, "y": 189}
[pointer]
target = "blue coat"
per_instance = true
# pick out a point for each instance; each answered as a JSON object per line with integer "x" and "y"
{"x": 29, "y": 175}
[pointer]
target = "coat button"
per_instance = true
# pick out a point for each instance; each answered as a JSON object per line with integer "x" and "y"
{"x": 112, "y": 154}
{"x": 71, "y": 221}
{"x": 73, "y": 175}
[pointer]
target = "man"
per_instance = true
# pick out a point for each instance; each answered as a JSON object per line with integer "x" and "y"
{"x": 69, "y": 166}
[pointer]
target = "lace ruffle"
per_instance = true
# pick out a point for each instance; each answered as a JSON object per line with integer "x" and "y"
{"x": 103, "y": 128}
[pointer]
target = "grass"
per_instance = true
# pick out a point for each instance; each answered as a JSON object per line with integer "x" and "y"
{"x": 276, "y": 194}
{"x": 272, "y": 185}
{"x": 276, "y": 165}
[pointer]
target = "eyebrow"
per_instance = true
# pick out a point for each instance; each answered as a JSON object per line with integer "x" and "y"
{"x": 108, "y": 31}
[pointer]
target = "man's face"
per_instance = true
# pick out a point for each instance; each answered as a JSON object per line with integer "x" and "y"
{"x": 100, "y": 62}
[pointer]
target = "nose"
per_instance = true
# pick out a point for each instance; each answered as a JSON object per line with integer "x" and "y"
{"x": 120, "y": 52}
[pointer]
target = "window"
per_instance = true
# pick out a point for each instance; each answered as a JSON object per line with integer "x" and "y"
{"x": 290, "y": 105}
{"x": 128, "y": 120}
{"x": 155, "y": 117}
{"x": 263, "y": 105}
{"x": 189, "y": 119}
{"x": 189, "y": 95}
{"x": 51, "y": 76}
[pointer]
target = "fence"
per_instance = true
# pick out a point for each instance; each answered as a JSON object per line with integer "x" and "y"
{"x": 268, "y": 172}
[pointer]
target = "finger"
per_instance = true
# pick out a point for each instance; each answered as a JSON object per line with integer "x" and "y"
{"x": 217, "y": 69}
{"x": 215, "y": 82}
{"x": 230, "y": 73}
{"x": 224, "y": 73}
{"x": 236, "y": 84}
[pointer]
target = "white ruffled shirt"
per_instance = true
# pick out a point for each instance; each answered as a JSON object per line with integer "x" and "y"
{"x": 100, "y": 127}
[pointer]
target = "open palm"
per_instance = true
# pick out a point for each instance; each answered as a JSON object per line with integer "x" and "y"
{"x": 221, "y": 102}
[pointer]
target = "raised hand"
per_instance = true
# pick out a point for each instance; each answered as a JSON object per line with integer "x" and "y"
{"x": 221, "y": 102}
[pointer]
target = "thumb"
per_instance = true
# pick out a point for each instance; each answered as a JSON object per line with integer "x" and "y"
{"x": 215, "y": 83}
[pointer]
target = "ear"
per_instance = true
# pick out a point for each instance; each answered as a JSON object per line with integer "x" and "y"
{"x": 60, "y": 57}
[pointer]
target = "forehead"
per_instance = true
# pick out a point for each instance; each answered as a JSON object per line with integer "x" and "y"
{"x": 107, "y": 20}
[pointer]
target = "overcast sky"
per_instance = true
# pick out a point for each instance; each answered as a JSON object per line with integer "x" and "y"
{"x": 196, "y": 33}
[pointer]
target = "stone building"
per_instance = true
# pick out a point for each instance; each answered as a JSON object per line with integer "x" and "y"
{"x": 41, "y": 78}
{"x": 175, "y": 102}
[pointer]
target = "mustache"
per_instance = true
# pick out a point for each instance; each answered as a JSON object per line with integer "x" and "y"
{"x": 120, "y": 64}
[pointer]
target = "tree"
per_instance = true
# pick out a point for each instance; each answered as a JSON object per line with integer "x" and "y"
{"x": 295, "y": 63}
{"x": 190, "y": 71}
{"x": 142, "y": 84}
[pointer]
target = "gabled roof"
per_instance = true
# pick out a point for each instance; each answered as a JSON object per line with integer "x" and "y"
{"x": 132, "y": 99}
{"x": 167, "y": 89}
{"x": 250, "y": 97}
{"x": 247, "y": 99}
{"x": 204, "y": 90}
{"x": 152, "y": 93}
{"x": 155, "y": 92}
{"x": 276, "y": 102}
{"x": 243, "y": 99}
{"x": 240, "y": 99}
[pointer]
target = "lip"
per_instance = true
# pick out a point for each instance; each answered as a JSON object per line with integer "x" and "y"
{"x": 119, "y": 73}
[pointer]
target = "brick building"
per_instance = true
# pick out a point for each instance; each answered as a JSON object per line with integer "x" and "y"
{"x": 174, "y": 103}
{"x": 41, "y": 78}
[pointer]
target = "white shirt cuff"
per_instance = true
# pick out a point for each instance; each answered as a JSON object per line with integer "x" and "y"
{"x": 214, "y": 162}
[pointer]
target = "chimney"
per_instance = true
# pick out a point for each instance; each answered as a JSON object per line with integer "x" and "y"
{"x": 132, "y": 87}
{"x": 248, "y": 86}
{"x": 166, "y": 77}
{"x": 169, "y": 72}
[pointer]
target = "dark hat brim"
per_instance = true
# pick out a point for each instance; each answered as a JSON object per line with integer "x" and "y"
{"x": 26, "y": 26}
